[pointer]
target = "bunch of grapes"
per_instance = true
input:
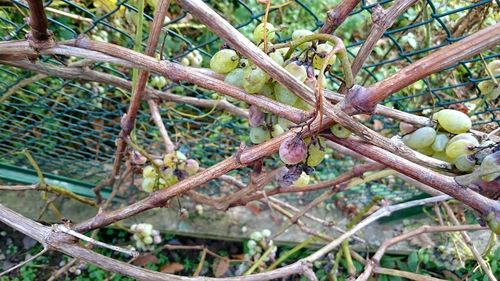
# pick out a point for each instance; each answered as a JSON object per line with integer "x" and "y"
{"x": 158, "y": 81}
{"x": 173, "y": 167}
{"x": 304, "y": 63}
{"x": 194, "y": 59}
{"x": 145, "y": 236}
{"x": 451, "y": 142}
{"x": 258, "y": 243}
{"x": 489, "y": 90}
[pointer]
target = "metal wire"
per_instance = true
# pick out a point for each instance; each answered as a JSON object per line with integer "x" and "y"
{"x": 70, "y": 127}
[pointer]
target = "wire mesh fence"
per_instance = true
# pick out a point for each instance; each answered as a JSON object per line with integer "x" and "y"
{"x": 70, "y": 127}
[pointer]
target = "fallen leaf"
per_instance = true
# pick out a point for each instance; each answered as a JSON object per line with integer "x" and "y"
{"x": 144, "y": 259}
{"x": 171, "y": 267}
{"x": 220, "y": 266}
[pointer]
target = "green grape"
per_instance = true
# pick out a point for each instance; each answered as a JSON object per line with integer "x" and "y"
{"x": 277, "y": 130}
{"x": 267, "y": 91}
{"x": 170, "y": 178}
{"x": 302, "y": 181}
{"x": 421, "y": 138}
{"x": 258, "y": 32}
{"x": 149, "y": 172}
{"x": 254, "y": 79}
{"x": 486, "y": 87}
{"x": 148, "y": 184}
{"x": 169, "y": 160}
{"x": 322, "y": 50}
{"x": 148, "y": 240}
{"x": 441, "y": 155}
{"x": 440, "y": 142}
{"x": 297, "y": 70}
{"x": 235, "y": 77}
{"x": 464, "y": 163}
{"x": 192, "y": 167}
{"x": 454, "y": 121}
{"x": 259, "y": 135}
{"x": 315, "y": 154}
{"x": 284, "y": 123}
{"x": 490, "y": 167}
{"x": 426, "y": 150}
{"x": 283, "y": 95}
{"x": 185, "y": 61}
{"x": 340, "y": 132}
{"x": 180, "y": 156}
{"x": 459, "y": 147}
{"x": 465, "y": 136}
{"x": 277, "y": 57}
{"x": 300, "y": 33}
{"x": 494, "y": 66}
{"x": 302, "y": 104}
{"x": 224, "y": 61}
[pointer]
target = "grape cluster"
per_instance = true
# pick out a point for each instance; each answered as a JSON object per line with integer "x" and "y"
{"x": 194, "y": 59}
{"x": 451, "y": 142}
{"x": 145, "y": 236}
{"x": 173, "y": 167}
{"x": 304, "y": 64}
{"x": 489, "y": 90}
{"x": 258, "y": 243}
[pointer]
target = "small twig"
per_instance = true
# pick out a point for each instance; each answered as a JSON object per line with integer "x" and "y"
{"x": 423, "y": 229}
{"x": 469, "y": 243}
{"x": 62, "y": 270}
{"x": 155, "y": 114}
{"x": 45, "y": 249}
{"x": 260, "y": 260}
{"x": 382, "y": 212}
{"x": 25, "y": 82}
{"x": 199, "y": 268}
{"x": 405, "y": 274}
{"x": 64, "y": 229}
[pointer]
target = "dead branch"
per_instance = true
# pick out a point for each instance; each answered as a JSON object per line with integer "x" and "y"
{"x": 423, "y": 229}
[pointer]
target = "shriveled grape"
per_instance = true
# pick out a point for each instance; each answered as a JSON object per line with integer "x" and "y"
{"x": 322, "y": 50}
{"x": 256, "y": 117}
{"x": 293, "y": 150}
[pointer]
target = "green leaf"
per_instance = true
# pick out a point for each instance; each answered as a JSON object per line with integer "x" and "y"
{"x": 413, "y": 261}
{"x": 387, "y": 262}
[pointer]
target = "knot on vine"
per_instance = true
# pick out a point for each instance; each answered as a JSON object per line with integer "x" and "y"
{"x": 357, "y": 101}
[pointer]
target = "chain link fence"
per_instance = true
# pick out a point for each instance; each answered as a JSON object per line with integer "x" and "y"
{"x": 70, "y": 127}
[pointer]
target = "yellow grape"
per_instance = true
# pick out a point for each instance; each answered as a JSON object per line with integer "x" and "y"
{"x": 459, "y": 147}
{"x": 340, "y": 132}
{"x": 302, "y": 181}
{"x": 297, "y": 70}
{"x": 315, "y": 154}
{"x": 283, "y": 95}
{"x": 322, "y": 50}
{"x": 149, "y": 172}
{"x": 464, "y": 163}
{"x": 454, "y": 121}
{"x": 421, "y": 138}
{"x": 259, "y": 135}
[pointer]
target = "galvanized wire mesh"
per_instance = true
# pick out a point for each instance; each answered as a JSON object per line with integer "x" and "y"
{"x": 70, "y": 126}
